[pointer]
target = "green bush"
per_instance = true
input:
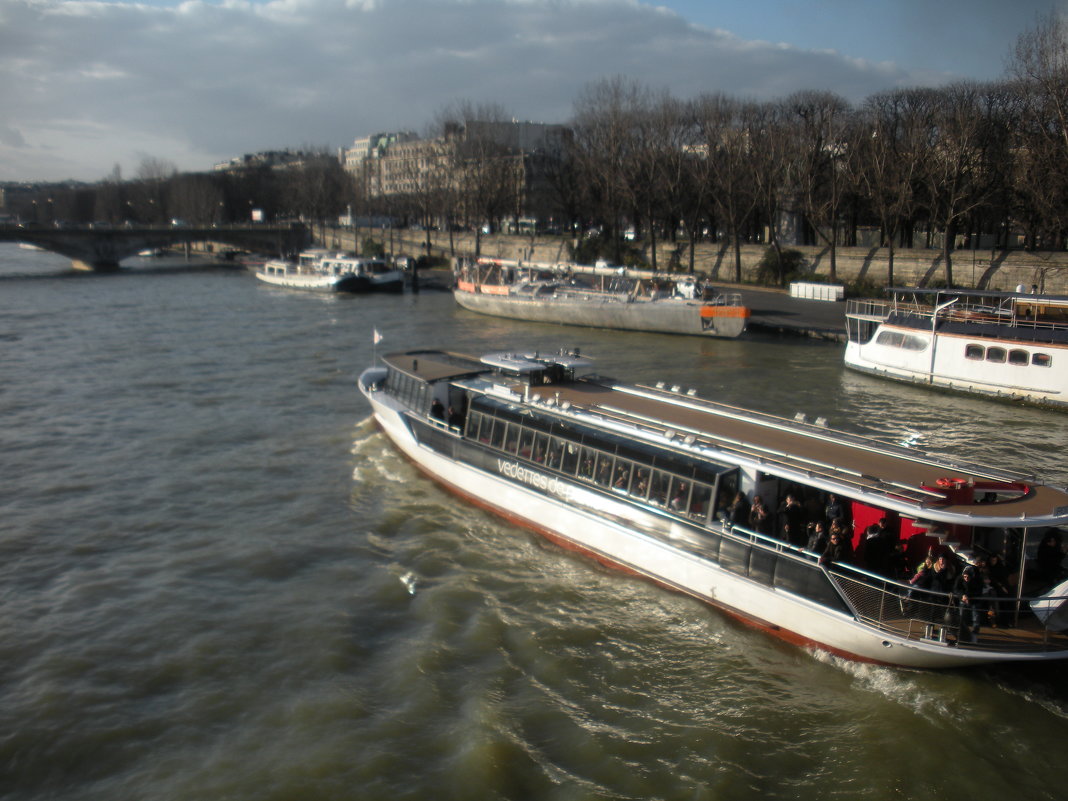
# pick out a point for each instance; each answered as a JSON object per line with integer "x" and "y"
{"x": 865, "y": 288}
{"x": 592, "y": 249}
{"x": 792, "y": 268}
{"x": 372, "y": 248}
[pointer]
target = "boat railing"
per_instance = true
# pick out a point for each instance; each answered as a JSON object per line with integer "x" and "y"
{"x": 872, "y": 310}
{"x": 1005, "y": 623}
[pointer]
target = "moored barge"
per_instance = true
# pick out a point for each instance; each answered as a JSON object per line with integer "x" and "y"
{"x": 641, "y": 478}
{"x": 599, "y": 297}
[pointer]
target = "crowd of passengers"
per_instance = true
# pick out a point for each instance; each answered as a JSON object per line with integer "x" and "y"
{"x": 973, "y": 585}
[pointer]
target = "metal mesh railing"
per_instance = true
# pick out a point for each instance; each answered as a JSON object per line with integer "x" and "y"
{"x": 987, "y": 623}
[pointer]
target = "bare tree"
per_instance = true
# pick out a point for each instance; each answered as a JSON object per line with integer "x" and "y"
{"x": 606, "y": 149}
{"x": 724, "y": 163}
{"x": 968, "y": 144}
{"x": 886, "y": 158}
{"x": 818, "y": 122}
{"x": 1040, "y": 65}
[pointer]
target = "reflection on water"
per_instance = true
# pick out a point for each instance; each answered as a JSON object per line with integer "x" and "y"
{"x": 219, "y": 580}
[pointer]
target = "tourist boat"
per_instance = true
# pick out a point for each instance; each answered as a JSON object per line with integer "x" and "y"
{"x": 309, "y": 272}
{"x": 377, "y": 275}
{"x": 640, "y": 477}
{"x": 599, "y": 297}
{"x": 1008, "y": 345}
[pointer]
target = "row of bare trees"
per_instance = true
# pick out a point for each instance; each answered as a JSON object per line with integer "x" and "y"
{"x": 947, "y": 164}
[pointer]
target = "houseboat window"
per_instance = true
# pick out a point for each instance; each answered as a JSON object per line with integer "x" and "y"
{"x": 976, "y": 352}
{"x": 1018, "y": 357}
{"x": 1041, "y": 359}
{"x": 897, "y": 339}
{"x": 995, "y": 355}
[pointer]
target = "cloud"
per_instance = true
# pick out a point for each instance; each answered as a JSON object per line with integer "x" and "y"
{"x": 92, "y": 84}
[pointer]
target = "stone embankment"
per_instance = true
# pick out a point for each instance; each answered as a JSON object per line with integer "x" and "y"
{"x": 985, "y": 269}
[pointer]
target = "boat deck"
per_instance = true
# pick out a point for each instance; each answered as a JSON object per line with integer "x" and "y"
{"x": 859, "y": 461}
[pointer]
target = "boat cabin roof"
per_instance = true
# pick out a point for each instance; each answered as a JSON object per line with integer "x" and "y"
{"x": 904, "y": 479}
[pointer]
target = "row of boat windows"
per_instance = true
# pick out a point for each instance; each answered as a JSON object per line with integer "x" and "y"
{"x": 999, "y": 355}
{"x": 683, "y": 494}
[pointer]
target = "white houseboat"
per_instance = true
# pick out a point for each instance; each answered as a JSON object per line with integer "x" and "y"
{"x": 318, "y": 270}
{"x": 640, "y": 478}
{"x": 1008, "y": 345}
{"x": 599, "y": 297}
{"x": 373, "y": 275}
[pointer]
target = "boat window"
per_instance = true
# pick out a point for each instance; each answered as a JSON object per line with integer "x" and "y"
{"x": 658, "y": 487}
{"x": 496, "y": 439}
{"x": 587, "y": 463}
{"x": 541, "y": 446}
{"x": 898, "y": 339}
{"x": 526, "y": 443}
{"x": 1018, "y": 357}
{"x": 621, "y": 480}
{"x": 726, "y": 489}
{"x": 995, "y": 355}
{"x": 1041, "y": 359}
{"x": 976, "y": 352}
{"x": 571, "y": 457}
{"x": 555, "y": 456}
{"x": 473, "y": 421}
{"x": 640, "y": 483}
{"x": 511, "y": 439}
{"x": 680, "y": 495}
{"x": 604, "y": 469}
{"x": 699, "y": 501}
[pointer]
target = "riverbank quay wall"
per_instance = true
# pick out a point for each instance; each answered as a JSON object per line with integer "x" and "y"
{"x": 1002, "y": 270}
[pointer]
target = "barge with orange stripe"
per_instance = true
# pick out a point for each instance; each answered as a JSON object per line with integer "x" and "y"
{"x": 599, "y": 297}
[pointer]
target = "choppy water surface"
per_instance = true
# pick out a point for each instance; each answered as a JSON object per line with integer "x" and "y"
{"x": 217, "y": 579}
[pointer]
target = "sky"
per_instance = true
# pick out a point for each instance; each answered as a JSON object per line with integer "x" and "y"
{"x": 88, "y": 85}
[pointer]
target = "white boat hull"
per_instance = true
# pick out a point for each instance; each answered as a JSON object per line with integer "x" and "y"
{"x": 943, "y": 364}
{"x": 639, "y": 541}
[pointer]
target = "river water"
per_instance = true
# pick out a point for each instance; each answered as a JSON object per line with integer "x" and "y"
{"x": 218, "y": 580}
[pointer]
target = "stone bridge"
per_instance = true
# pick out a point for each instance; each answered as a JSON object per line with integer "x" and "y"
{"x": 103, "y": 248}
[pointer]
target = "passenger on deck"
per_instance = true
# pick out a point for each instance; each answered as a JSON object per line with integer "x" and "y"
{"x": 1048, "y": 561}
{"x": 998, "y": 573}
{"x": 793, "y": 522}
{"x": 759, "y": 518}
{"x": 739, "y": 510}
{"x": 973, "y": 605}
{"x": 838, "y": 549}
{"x": 818, "y": 537}
{"x": 873, "y": 550}
{"x": 437, "y": 410}
{"x": 455, "y": 418}
{"x": 834, "y": 510}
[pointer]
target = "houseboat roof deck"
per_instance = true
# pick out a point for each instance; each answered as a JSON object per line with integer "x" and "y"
{"x": 852, "y": 464}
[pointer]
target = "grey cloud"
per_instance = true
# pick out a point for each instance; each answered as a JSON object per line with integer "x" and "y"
{"x": 216, "y": 80}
